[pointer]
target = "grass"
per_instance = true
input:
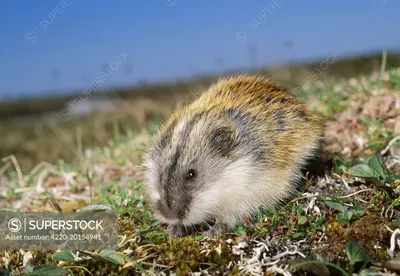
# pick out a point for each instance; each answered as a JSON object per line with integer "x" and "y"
{"x": 341, "y": 223}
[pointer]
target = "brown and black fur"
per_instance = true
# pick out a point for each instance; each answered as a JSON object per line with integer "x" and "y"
{"x": 245, "y": 140}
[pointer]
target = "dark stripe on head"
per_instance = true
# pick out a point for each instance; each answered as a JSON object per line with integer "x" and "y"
{"x": 247, "y": 137}
{"x": 165, "y": 137}
{"x": 223, "y": 141}
{"x": 280, "y": 120}
{"x": 163, "y": 141}
{"x": 170, "y": 180}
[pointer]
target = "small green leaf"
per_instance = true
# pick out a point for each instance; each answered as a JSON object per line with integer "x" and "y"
{"x": 98, "y": 208}
{"x": 394, "y": 177}
{"x": 113, "y": 256}
{"x": 299, "y": 210}
{"x": 46, "y": 270}
{"x": 395, "y": 79}
{"x": 64, "y": 256}
{"x": 349, "y": 215}
{"x": 5, "y": 272}
{"x": 313, "y": 267}
{"x": 363, "y": 170}
{"x": 358, "y": 211}
{"x": 201, "y": 237}
{"x": 302, "y": 220}
{"x": 298, "y": 235}
{"x": 335, "y": 205}
{"x": 340, "y": 167}
{"x": 315, "y": 256}
{"x": 342, "y": 218}
{"x": 374, "y": 83}
{"x": 356, "y": 254}
{"x": 377, "y": 164}
{"x": 316, "y": 267}
{"x": 240, "y": 231}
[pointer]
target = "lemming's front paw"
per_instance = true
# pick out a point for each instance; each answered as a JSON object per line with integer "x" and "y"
{"x": 177, "y": 230}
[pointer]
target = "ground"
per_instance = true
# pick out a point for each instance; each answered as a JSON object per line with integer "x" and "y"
{"x": 341, "y": 222}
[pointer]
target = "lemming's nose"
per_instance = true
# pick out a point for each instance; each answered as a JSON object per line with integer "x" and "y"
{"x": 170, "y": 210}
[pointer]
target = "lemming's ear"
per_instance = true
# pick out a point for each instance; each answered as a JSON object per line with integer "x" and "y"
{"x": 223, "y": 140}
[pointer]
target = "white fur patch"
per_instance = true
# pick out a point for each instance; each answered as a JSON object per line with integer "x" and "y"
{"x": 151, "y": 179}
{"x": 241, "y": 189}
{"x": 178, "y": 130}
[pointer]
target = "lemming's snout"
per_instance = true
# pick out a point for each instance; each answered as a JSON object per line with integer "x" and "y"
{"x": 171, "y": 210}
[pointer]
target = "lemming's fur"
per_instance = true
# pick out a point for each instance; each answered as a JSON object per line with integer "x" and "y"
{"x": 238, "y": 147}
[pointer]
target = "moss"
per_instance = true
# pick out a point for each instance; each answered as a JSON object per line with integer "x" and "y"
{"x": 187, "y": 254}
{"x": 97, "y": 268}
{"x": 15, "y": 258}
{"x": 369, "y": 232}
{"x": 235, "y": 271}
{"x": 126, "y": 225}
{"x": 42, "y": 257}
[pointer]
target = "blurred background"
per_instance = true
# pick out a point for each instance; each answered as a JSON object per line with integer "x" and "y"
{"x": 75, "y": 74}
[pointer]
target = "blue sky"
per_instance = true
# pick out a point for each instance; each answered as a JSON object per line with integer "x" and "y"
{"x": 57, "y": 46}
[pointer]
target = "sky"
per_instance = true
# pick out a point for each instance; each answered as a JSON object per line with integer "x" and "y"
{"x": 51, "y": 47}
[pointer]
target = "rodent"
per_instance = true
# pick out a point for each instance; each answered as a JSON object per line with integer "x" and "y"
{"x": 240, "y": 146}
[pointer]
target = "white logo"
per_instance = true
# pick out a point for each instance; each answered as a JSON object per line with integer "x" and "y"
{"x": 14, "y": 225}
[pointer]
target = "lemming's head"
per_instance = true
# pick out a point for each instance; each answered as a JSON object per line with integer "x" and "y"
{"x": 194, "y": 164}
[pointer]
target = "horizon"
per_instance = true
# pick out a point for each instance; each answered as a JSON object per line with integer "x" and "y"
{"x": 99, "y": 94}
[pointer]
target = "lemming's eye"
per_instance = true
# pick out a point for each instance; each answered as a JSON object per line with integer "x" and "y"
{"x": 191, "y": 175}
